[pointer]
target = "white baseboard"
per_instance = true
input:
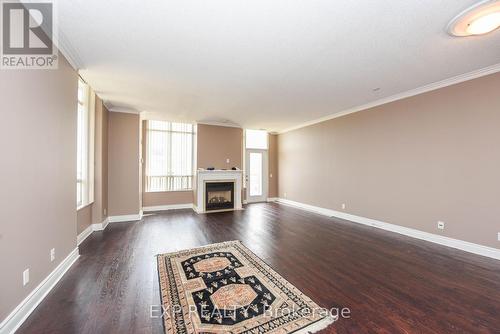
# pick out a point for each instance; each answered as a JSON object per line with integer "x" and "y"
{"x": 100, "y": 226}
{"x": 307, "y": 207}
{"x": 16, "y": 318}
{"x": 125, "y": 218}
{"x": 92, "y": 228}
{"x": 438, "y": 239}
{"x": 82, "y": 236}
{"x": 167, "y": 207}
{"x": 272, "y": 199}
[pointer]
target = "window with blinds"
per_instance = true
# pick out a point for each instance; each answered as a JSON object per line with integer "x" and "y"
{"x": 169, "y": 156}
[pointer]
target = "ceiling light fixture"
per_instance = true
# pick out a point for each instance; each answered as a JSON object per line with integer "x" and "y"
{"x": 482, "y": 18}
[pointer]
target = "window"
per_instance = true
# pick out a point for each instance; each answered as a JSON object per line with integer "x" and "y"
{"x": 85, "y": 145}
{"x": 169, "y": 156}
{"x": 256, "y": 139}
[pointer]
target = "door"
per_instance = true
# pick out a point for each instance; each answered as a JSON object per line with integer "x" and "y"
{"x": 256, "y": 175}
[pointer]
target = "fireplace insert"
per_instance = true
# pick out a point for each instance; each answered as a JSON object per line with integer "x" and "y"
{"x": 219, "y": 195}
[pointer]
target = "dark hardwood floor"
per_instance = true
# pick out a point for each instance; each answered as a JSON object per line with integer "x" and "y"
{"x": 391, "y": 283}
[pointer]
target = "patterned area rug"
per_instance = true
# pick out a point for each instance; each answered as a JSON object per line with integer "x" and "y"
{"x": 225, "y": 288}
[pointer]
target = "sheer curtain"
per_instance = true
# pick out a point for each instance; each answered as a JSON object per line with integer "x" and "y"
{"x": 169, "y": 156}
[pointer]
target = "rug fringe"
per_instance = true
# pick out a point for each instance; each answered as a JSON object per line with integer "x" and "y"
{"x": 317, "y": 326}
{"x": 200, "y": 247}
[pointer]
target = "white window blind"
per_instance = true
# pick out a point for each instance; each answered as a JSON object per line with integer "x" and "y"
{"x": 169, "y": 156}
{"x": 85, "y": 145}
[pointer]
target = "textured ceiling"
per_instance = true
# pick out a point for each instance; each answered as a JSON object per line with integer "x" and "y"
{"x": 265, "y": 64}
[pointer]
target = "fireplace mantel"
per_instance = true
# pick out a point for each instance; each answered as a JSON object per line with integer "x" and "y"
{"x": 203, "y": 176}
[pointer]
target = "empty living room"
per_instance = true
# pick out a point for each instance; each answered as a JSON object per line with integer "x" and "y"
{"x": 250, "y": 167}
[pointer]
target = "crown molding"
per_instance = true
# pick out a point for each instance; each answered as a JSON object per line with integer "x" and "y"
{"x": 62, "y": 42}
{"x": 106, "y": 103}
{"x": 229, "y": 125}
{"x": 420, "y": 90}
{"x": 123, "y": 110}
{"x": 69, "y": 52}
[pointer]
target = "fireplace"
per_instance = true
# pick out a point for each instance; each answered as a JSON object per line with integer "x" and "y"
{"x": 219, "y": 196}
{"x": 227, "y": 182}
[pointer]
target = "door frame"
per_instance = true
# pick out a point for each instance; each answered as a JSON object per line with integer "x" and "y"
{"x": 265, "y": 176}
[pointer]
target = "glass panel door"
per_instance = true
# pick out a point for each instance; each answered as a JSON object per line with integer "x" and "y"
{"x": 256, "y": 175}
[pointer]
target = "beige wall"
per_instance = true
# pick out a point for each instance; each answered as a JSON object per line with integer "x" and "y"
{"x": 411, "y": 162}
{"x": 273, "y": 166}
{"x": 84, "y": 218}
{"x": 37, "y": 174}
{"x": 124, "y": 192}
{"x": 218, "y": 143}
{"x": 215, "y": 144}
{"x": 167, "y": 198}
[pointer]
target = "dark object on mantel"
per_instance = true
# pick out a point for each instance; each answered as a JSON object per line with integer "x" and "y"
{"x": 234, "y": 168}
{"x": 210, "y": 168}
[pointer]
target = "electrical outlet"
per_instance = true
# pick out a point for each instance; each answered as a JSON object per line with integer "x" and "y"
{"x": 343, "y": 206}
{"x": 270, "y": 175}
{"x": 440, "y": 225}
{"x": 227, "y": 161}
{"x": 498, "y": 236}
{"x": 26, "y": 276}
{"x": 52, "y": 254}
{"x": 284, "y": 195}
{"x": 105, "y": 212}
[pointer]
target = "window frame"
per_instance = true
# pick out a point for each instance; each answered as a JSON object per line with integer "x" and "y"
{"x": 85, "y": 145}
{"x": 169, "y": 158}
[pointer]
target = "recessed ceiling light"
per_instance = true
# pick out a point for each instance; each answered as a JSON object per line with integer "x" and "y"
{"x": 484, "y": 24}
{"x": 482, "y": 18}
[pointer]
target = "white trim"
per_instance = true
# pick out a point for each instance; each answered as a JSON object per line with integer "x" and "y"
{"x": 204, "y": 176}
{"x": 16, "y": 318}
{"x": 91, "y": 228}
{"x": 100, "y": 226}
{"x": 307, "y": 207}
{"x": 68, "y": 51}
{"x": 264, "y": 169}
{"x": 124, "y": 110}
{"x": 82, "y": 236}
{"x": 438, "y": 239}
{"x": 228, "y": 125}
{"x": 125, "y": 218}
{"x": 167, "y": 207}
{"x": 272, "y": 199}
{"x": 420, "y": 90}
{"x": 107, "y": 104}
{"x": 83, "y": 206}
